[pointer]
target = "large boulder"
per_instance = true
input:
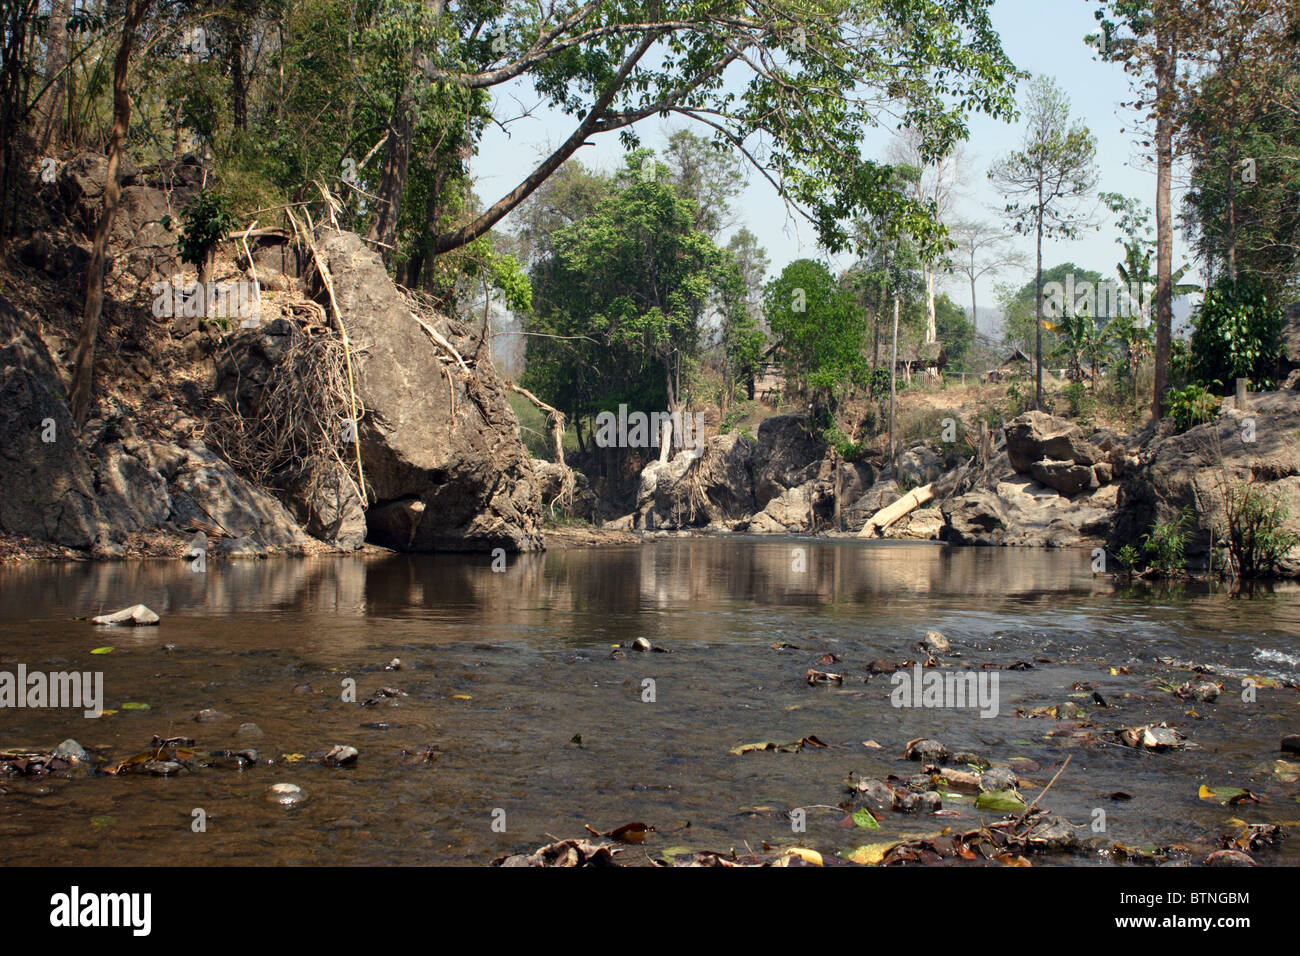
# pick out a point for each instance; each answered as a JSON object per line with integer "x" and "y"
{"x": 713, "y": 487}
{"x": 431, "y": 431}
{"x": 787, "y": 456}
{"x": 1064, "y": 476}
{"x": 973, "y": 518}
{"x": 1035, "y": 436}
{"x": 1189, "y": 473}
{"x": 47, "y": 487}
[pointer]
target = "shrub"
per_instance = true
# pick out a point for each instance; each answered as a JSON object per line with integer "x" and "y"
{"x": 1256, "y": 540}
{"x": 1238, "y": 335}
{"x": 1191, "y": 406}
{"x": 1165, "y": 542}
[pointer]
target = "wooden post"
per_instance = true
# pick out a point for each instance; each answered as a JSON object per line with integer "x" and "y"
{"x": 1241, "y": 394}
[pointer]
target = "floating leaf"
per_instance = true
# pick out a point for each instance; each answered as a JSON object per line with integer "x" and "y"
{"x": 1000, "y": 801}
{"x": 135, "y": 705}
{"x": 865, "y": 819}
{"x": 869, "y": 855}
{"x": 461, "y": 697}
{"x": 102, "y": 650}
{"x": 1227, "y": 796}
{"x": 1287, "y": 771}
{"x": 803, "y": 853}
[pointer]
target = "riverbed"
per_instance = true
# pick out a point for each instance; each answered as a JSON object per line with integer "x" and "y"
{"x": 519, "y": 720}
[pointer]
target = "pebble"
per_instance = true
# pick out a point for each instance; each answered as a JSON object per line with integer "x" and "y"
{"x": 930, "y": 750}
{"x": 286, "y": 794}
{"x": 999, "y": 778}
{"x": 341, "y": 755}
{"x": 207, "y": 715}
{"x": 937, "y": 643}
{"x": 1291, "y": 744}
{"x": 249, "y": 730}
{"x": 640, "y": 644}
{"x": 137, "y": 615}
{"x": 72, "y": 751}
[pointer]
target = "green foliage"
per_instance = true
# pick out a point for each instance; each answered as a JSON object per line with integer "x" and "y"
{"x": 207, "y": 221}
{"x": 1128, "y": 557}
{"x": 1166, "y": 542}
{"x": 1192, "y": 405}
{"x": 1238, "y": 335}
{"x": 819, "y": 329}
{"x": 1077, "y": 399}
{"x": 1257, "y": 540}
{"x": 626, "y": 291}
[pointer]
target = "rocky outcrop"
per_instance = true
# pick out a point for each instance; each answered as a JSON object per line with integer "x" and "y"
{"x": 1189, "y": 473}
{"x": 694, "y": 489}
{"x": 431, "y": 432}
{"x": 786, "y": 456}
{"x": 47, "y": 488}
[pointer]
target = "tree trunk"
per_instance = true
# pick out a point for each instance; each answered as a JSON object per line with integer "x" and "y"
{"x": 1166, "y": 71}
{"x": 1038, "y": 312}
{"x": 55, "y": 103}
{"x": 893, "y": 376}
{"x": 84, "y": 362}
{"x": 392, "y": 176}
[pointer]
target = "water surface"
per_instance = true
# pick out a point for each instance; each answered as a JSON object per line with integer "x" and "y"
{"x": 503, "y": 670}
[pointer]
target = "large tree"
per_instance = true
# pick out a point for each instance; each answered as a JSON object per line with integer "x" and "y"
{"x": 1045, "y": 183}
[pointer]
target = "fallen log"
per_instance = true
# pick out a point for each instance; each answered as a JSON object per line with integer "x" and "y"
{"x": 904, "y": 506}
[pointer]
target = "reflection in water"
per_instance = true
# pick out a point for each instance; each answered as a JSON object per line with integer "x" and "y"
{"x": 503, "y": 669}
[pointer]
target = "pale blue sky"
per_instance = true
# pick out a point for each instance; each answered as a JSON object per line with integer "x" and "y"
{"x": 1040, "y": 36}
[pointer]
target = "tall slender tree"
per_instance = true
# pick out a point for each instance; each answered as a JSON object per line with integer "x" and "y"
{"x": 1046, "y": 182}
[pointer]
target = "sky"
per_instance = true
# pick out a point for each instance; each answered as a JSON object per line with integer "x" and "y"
{"x": 1039, "y": 36}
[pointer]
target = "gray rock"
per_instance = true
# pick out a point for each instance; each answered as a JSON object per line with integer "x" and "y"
{"x": 341, "y": 755}
{"x": 785, "y": 457}
{"x": 1064, "y": 476}
{"x": 137, "y": 615}
{"x": 285, "y": 794}
{"x": 998, "y": 778}
{"x": 249, "y": 730}
{"x": 931, "y": 751}
{"x": 72, "y": 751}
{"x": 936, "y": 643}
{"x": 1037, "y": 435}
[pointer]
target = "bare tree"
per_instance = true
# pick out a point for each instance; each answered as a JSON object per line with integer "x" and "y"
{"x": 982, "y": 249}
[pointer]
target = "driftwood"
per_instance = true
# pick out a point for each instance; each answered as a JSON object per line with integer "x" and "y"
{"x": 905, "y": 505}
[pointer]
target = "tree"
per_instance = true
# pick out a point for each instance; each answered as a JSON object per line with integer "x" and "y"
{"x": 936, "y": 188}
{"x": 813, "y": 82}
{"x": 1237, "y": 335}
{"x": 820, "y": 333}
{"x": 84, "y": 359}
{"x": 1045, "y": 182}
{"x": 620, "y": 300}
{"x": 956, "y": 332}
{"x": 709, "y": 175}
{"x": 981, "y": 249}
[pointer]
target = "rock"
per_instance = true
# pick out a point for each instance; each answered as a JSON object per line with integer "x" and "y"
{"x": 875, "y": 794}
{"x": 925, "y": 802}
{"x": 923, "y": 524}
{"x": 444, "y": 437}
{"x": 998, "y": 778}
{"x": 1036, "y": 435}
{"x": 285, "y": 794}
{"x": 1187, "y": 472}
{"x": 936, "y": 643}
{"x": 47, "y": 488}
{"x": 550, "y": 477}
{"x": 917, "y": 466}
{"x": 341, "y": 755}
{"x": 1051, "y": 832}
{"x": 136, "y": 615}
{"x": 1065, "y": 476}
{"x": 71, "y": 751}
{"x": 1229, "y": 858}
{"x": 783, "y": 457}
{"x": 928, "y": 750}
{"x": 973, "y": 518}
{"x": 208, "y": 715}
{"x": 1204, "y": 691}
{"x": 1103, "y": 471}
{"x": 249, "y": 730}
{"x": 1291, "y": 744}
{"x": 641, "y": 644}
{"x": 966, "y": 758}
{"x": 792, "y": 510}
{"x": 714, "y": 486}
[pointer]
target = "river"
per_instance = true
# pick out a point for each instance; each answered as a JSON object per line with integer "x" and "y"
{"x": 537, "y": 727}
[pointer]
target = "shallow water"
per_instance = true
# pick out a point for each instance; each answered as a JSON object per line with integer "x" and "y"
{"x": 504, "y": 669}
